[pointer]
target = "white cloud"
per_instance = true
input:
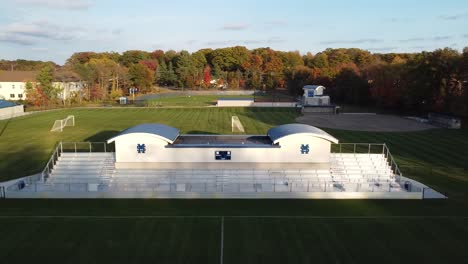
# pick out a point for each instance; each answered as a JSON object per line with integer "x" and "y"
{"x": 356, "y": 41}
{"x": 383, "y": 49}
{"x": 268, "y": 41}
{"x": 29, "y": 33}
{"x": 235, "y": 27}
{"x": 412, "y": 40}
{"x": 453, "y": 16}
{"x": 61, "y": 4}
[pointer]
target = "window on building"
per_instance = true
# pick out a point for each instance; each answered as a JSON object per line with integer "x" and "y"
{"x": 0, "y": 86}
{"x": 21, "y": 86}
{"x": 20, "y": 95}
{"x": 12, "y": 95}
{"x": 13, "y": 86}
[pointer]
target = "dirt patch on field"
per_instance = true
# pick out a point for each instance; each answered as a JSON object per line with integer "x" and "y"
{"x": 364, "y": 122}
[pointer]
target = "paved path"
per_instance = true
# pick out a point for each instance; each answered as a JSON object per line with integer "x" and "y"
{"x": 364, "y": 122}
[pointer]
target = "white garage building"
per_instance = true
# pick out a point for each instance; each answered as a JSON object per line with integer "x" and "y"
{"x": 161, "y": 146}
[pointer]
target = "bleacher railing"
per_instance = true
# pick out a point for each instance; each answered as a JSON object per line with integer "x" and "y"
{"x": 376, "y": 148}
{"x": 212, "y": 187}
{"x": 253, "y": 184}
{"x": 74, "y": 147}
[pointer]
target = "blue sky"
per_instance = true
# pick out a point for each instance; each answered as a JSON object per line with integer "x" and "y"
{"x": 54, "y": 29}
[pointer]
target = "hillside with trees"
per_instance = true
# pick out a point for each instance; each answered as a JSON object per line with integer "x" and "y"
{"x": 417, "y": 82}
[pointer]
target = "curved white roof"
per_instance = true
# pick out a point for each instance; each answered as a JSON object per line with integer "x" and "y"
{"x": 282, "y": 131}
{"x": 313, "y": 87}
{"x": 166, "y": 133}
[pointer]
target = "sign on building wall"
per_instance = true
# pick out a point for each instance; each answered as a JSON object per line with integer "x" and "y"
{"x": 305, "y": 149}
{"x": 222, "y": 155}
{"x": 141, "y": 148}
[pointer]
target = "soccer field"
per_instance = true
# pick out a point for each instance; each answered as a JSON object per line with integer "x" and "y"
{"x": 27, "y": 141}
{"x": 233, "y": 231}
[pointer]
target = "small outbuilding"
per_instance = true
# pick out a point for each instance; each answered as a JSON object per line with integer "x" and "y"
{"x": 162, "y": 146}
{"x": 123, "y": 100}
{"x": 313, "y": 95}
{"x": 10, "y": 109}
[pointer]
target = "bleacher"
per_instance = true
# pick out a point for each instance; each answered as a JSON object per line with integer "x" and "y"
{"x": 96, "y": 171}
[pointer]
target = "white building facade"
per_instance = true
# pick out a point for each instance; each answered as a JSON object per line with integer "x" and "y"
{"x": 13, "y": 84}
{"x": 67, "y": 89}
{"x": 161, "y": 146}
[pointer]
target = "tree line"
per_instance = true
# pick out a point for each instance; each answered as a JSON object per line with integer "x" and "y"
{"x": 421, "y": 82}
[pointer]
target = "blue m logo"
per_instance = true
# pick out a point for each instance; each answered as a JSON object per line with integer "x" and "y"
{"x": 305, "y": 149}
{"x": 141, "y": 148}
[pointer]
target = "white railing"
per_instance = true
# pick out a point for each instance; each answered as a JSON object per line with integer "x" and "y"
{"x": 219, "y": 181}
{"x": 375, "y": 148}
{"x": 74, "y": 147}
{"x": 211, "y": 187}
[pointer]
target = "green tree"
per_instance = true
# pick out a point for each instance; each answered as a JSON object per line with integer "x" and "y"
{"x": 106, "y": 72}
{"x": 185, "y": 69}
{"x": 320, "y": 60}
{"x": 141, "y": 77}
{"x": 44, "y": 80}
{"x": 130, "y": 57}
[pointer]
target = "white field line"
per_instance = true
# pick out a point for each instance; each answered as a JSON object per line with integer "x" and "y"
{"x": 233, "y": 216}
{"x": 222, "y": 241}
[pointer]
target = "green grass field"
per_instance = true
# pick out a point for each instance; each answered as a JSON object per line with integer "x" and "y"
{"x": 255, "y": 231}
{"x": 29, "y": 142}
{"x": 205, "y": 100}
{"x": 193, "y": 101}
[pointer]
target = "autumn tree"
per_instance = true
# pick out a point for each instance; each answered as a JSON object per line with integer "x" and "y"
{"x": 141, "y": 77}
{"x": 157, "y": 55}
{"x": 207, "y": 76}
{"x": 130, "y": 57}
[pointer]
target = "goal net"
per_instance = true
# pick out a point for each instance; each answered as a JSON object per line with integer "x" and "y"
{"x": 236, "y": 124}
{"x": 61, "y": 123}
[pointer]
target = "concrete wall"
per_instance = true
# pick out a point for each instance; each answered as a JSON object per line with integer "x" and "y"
{"x": 235, "y": 103}
{"x": 275, "y": 104}
{"x": 192, "y": 195}
{"x": 318, "y": 109}
{"x": 9, "y": 112}
{"x": 158, "y": 151}
{"x": 321, "y": 100}
{"x": 251, "y": 103}
{"x": 15, "y": 88}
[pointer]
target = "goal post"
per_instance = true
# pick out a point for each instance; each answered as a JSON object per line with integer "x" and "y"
{"x": 236, "y": 125}
{"x": 58, "y": 126}
{"x": 69, "y": 121}
{"x": 61, "y": 123}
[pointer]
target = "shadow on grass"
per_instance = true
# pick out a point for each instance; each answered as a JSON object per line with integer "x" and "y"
{"x": 102, "y": 136}
{"x": 23, "y": 162}
{"x": 5, "y": 126}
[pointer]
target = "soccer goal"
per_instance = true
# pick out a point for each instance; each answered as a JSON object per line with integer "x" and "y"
{"x": 236, "y": 125}
{"x": 61, "y": 123}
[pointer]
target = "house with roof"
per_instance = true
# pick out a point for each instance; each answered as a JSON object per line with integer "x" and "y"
{"x": 13, "y": 84}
